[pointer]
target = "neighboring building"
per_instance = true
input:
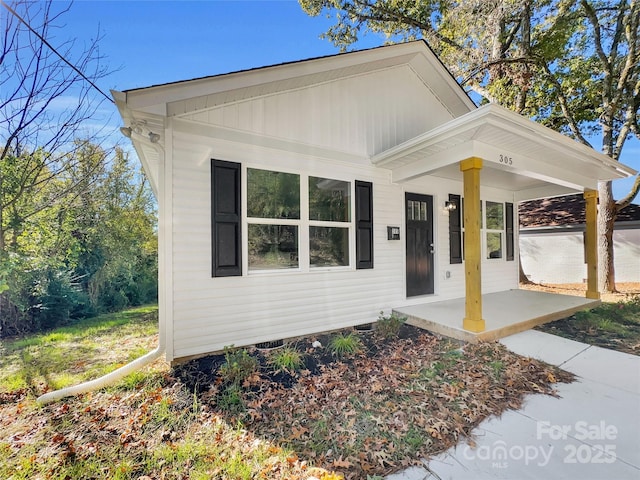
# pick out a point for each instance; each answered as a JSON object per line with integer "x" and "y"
{"x": 552, "y": 241}
{"x": 309, "y": 196}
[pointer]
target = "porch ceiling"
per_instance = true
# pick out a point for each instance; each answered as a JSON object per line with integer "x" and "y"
{"x": 519, "y": 155}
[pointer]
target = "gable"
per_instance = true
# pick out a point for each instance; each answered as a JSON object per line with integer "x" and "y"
{"x": 363, "y": 114}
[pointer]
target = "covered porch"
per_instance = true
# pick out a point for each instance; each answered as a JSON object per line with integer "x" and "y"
{"x": 494, "y": 147}
{"x": 505, "y": 313}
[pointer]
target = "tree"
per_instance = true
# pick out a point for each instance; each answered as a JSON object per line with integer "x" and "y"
{"x": 47, "y": 95}
{"x": 573, "y": 65}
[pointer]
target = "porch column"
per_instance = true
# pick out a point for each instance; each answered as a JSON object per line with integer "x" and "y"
{"x": 591, "y": 243}
{"x": 473, "y": 320}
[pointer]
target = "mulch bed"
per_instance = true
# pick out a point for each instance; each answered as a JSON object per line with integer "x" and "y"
{"x": 377, "y": 412}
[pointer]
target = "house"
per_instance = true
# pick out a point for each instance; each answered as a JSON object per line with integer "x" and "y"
{"x": 312, "y": 195}
{"x": 552, "y": 238}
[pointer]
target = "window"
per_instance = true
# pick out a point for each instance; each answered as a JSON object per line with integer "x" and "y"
{"x": 497, "y": 222}
{"x": 329, "y": 222}
{"x": 494, "y": 226}
{"x": 273, "y": 217}
{"x": 304, "y": 222}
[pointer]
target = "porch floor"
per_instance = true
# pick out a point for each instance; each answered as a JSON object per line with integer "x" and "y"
{"x": 505, "y": 313}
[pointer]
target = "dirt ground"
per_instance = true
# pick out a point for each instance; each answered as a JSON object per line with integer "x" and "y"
{"x": 626, "y": 290}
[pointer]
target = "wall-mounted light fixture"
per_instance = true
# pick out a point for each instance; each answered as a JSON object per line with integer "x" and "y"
{"x": 154, "y": 137}
{"x": 448, "y": 206}
{"x": 126, "y": 131}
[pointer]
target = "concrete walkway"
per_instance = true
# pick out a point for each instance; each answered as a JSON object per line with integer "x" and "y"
{"x": 591, "y": 432}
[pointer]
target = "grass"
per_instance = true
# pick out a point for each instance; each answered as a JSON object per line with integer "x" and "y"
{"x": 614, "y": 325}
{"x": 287, "y": 359}
{"x": 344, "y": 345}
{"x": 146, "y": 425}
{"x": 77, "y": 353}
{"x": 365, "y": 415}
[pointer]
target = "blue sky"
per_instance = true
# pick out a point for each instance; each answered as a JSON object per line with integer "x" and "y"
{"x": 152, "y": 42}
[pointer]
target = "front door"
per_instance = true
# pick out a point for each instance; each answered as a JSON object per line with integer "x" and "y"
{"x": 419, "y": 244}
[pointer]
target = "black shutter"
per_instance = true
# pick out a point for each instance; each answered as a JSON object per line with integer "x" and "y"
{"x": 455, "y": 230}
{"x": 364, "y": 225}
{"x": 225, "y": 217}
{"x": 508, "y": 207}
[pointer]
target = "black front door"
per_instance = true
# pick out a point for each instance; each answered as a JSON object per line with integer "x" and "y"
{"x": 419, "y": 244}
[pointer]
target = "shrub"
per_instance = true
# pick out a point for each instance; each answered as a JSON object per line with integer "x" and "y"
{"x": 287, "y": 358}
{"x": 388, "y": 327}
{"x": 238, "y": 366}
{"x": 345, "y": 345}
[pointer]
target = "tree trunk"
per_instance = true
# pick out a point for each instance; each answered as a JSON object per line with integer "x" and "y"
{"x": 606, "y": 218}
{"x": 522, "y": 276}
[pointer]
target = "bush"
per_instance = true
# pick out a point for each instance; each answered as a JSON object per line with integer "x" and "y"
{"x": 389, "y": 327}
{"x": 238, "y": 366}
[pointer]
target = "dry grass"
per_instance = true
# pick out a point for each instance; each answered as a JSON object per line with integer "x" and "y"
{"x": 625, "y": 290}
{"x": 365, "y": 416}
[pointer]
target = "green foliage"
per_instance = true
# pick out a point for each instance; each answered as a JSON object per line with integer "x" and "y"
{"x": 287, "y": 358}
{"x": 83, "y": 244}
{"x": 388, "y": 327}
{"x": 238, "y": 366}
{"x": 345, "y": 345}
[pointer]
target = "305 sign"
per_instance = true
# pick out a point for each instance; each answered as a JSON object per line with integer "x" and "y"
{"x": 506, "y": 160}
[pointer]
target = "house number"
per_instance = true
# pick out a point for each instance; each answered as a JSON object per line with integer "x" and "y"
{"x": 506, "y": 160}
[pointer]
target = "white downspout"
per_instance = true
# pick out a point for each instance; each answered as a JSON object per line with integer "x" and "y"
{"x": 103, "y": 381}
{"x": 118, "y": 374}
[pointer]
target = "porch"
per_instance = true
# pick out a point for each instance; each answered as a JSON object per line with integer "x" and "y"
{"x": 505, "y": 313}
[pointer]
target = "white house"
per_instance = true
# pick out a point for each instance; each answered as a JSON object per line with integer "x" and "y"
{"x": 552, "y": 241}
{"x": 309, "y": 196}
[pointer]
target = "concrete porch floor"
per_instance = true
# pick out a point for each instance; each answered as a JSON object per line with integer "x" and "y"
{"x": 505, "y": 313}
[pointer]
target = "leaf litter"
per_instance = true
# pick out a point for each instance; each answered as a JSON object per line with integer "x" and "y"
{"x": 363, "y": 416}
{"x": 382, "y": 410}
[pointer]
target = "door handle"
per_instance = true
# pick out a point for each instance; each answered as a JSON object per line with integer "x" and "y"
{"x": 431, "y": 250}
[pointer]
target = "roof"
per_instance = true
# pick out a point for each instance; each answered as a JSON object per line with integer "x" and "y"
{"x": 519, "y": 155}
{"x": 295, "y": 62}
{"x": 562, "y": 211}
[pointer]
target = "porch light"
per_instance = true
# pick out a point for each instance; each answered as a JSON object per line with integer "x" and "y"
{"x": 448, "y": 206}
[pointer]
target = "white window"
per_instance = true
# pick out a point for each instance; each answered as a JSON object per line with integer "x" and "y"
{"x": 494, "y": 228}
{"x": 287, "y": 223}
{"x": 273, "y": 219}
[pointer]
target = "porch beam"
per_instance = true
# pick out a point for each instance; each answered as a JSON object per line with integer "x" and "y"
{"x": 473, "y": 320}
{"x": 591, "y": 243}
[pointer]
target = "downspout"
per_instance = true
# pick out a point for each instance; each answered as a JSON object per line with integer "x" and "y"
{"x": 137, "y": 364}
{"x": 103, "y": 381}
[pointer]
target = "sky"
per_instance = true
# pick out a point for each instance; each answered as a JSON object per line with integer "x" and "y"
{"x": 152, "y": 42}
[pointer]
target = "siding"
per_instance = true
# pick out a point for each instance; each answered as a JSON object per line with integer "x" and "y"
{"x": 211, "y": 313}
{"x": 344, "y": 117}
{"x": 558, "y": 257}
